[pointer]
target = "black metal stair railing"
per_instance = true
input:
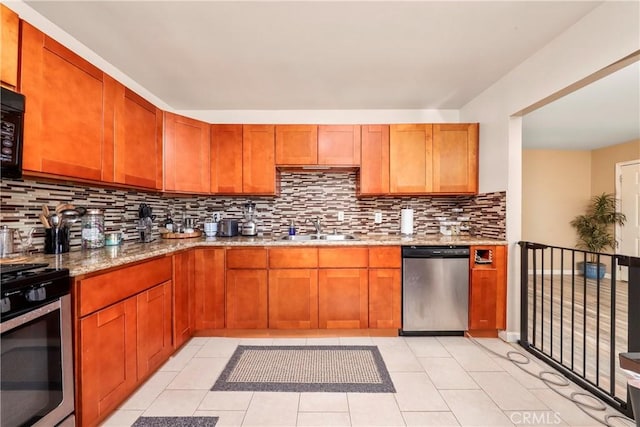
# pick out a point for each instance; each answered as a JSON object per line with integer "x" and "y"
{"x": 578, "y": 324}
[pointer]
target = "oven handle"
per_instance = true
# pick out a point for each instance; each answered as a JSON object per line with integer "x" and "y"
{"x": 31, "y": 315}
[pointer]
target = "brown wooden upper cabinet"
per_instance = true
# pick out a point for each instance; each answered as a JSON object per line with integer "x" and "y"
{"x": 374, "y": 168}
{"x": 137, "y": 136}
{"x": 339, "y": 145}
{"x": 186, "y": 154}
{"x": 310, "y": 145}
{"x": 410, "y": 158}
{"x": 9, "y": 50}
{"x": 243, "y": 159}
{"x": 65, "y": 132}
{"x": 433, "y": 158}
{"x": 226, "y": 159}
{"x": 296, "y": 145}
{"x": 455, "y": 158}
{"x": 258, "y": 160}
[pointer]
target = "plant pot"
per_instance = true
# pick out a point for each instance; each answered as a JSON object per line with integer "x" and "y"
{"x": 592, "y": 270}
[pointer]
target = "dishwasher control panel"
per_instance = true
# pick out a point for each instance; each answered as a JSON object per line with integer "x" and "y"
{"x": 435, "y": 252}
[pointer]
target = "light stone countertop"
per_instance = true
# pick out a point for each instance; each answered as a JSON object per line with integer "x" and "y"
{"x": 81, "y": 262}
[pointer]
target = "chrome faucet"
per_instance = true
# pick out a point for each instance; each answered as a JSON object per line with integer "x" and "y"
{"x": 317, "y": 224}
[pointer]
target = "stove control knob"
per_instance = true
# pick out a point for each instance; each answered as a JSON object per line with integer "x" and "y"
{"x": 36, "y": 294}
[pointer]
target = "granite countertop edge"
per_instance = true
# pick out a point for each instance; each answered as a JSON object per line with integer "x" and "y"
{"x": 81, "y": 262}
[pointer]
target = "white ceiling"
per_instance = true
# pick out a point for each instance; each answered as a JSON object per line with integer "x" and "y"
{"x": 268, "y": 55}
{"x": 606, "y": 112}
{"x": 343, "y": 55}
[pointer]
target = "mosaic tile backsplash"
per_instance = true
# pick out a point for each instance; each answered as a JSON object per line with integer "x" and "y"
{"x": 303, "y": 196}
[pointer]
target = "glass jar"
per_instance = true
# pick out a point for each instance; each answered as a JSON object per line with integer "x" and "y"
{"x": 93, "y": 229}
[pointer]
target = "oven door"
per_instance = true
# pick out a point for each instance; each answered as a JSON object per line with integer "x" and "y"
{"x": 37, "y": 367}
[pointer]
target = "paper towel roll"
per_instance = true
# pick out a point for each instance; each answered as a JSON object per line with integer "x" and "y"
{"x": 406, "y": 221}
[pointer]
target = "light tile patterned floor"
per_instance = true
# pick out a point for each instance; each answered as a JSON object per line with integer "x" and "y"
{"x": 440, "y": 381}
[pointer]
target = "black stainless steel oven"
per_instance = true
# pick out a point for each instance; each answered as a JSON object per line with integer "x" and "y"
{"x": 36, "y": 380}
{"x": 11, "y": 133}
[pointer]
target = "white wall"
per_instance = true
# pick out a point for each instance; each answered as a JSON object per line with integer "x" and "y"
{"x": 607, "y": 34}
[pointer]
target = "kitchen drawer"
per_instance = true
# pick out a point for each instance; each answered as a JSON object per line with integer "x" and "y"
{"x": 385, "y": 257}
{"x": 102, "y": 290}
{"x": 247, "y": 258}
{"x": 341, "y": 257}
{"x": 293, "y": 258}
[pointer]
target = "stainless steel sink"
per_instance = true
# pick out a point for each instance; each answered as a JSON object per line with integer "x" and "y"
{"x": 301, "y": 237}
{"x": 337, "y": 237}
{"x": 306, "y": 237}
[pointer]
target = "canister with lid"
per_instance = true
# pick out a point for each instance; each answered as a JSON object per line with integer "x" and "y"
{"x": 93, "y": 229}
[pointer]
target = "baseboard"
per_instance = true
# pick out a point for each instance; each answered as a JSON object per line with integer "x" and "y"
{"x": 509, "y": 336}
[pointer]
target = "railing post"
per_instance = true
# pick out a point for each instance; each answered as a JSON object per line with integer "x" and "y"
{"x": 633, "y": 307}
{"x": 524, "y": 294}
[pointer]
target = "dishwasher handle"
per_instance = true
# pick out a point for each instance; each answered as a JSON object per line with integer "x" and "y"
{"x": 435, "y": 252}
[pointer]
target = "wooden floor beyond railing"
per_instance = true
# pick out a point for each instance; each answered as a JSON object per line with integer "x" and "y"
{"x": 577, "y": 324}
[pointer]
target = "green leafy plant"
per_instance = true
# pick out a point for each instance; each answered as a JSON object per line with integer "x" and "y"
{"x": 595, "y": 232}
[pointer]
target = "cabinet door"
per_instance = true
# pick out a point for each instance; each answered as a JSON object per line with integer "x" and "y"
{"x": 65, "y": 117}
{"x": 226, "y": 159}
{"x": 107, "y": 354}
{"x": 209, "y": 289}
{"x": 339, "y": 257}
{"x": 283, "y": 258}
{"x": 154, "y": 329}
{"x": 296, "y": 145}
{"x": 293, "y": 299}
{"x": 482, "y": 299}
{"x": 410, "y": 159}
{"x": 186, "y": 154}
{"x": 246, "y": 299}
{"x": 384, "y": 298}
{"x": 385, "y": 257}
{"x": 137, "y": 139}
{"x": 258, "y": 160}
{"x": 339, "y": 145}
{"x": 455, "y": 158}
{"x": 342, "y": 298}
{"x": 9, "y": 51}
{"x": 374, "y": 164}
{"x": 183, "y": 297}
{"x": 247, "y": 258}
{"x": 488, "y": 288}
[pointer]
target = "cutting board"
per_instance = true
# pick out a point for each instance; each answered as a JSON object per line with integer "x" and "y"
{"x": 196, "y": 233}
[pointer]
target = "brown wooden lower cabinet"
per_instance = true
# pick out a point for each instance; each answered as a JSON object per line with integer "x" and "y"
{"x": 154, "y": 344}
{"x": 122, "y": 334}
{"x": 384, "y": 298}
{"x": 209, "y": 288}
{"x": 108, "y": 372}
{"x": 246, "y": 299}
{"x": 487, "y": 290}
{"x": 343, "y": 298}
{"x": 293, "y": 299}
{"x": 183, "y": 297}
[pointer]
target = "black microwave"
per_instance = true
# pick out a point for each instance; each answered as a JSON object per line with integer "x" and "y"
{"x": 11, "y": 133}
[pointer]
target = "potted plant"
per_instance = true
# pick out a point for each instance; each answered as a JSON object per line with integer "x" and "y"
{"x": 595, "y": 231}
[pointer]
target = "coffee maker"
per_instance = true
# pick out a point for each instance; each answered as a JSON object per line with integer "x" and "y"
{"x": 249, "y": 226}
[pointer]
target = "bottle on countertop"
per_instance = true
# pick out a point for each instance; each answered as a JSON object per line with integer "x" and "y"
{"x": 292, "y": 228}
{"x": 168, "y": 223}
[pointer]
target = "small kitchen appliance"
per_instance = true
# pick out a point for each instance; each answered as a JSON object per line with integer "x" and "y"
{"x": 249, "y": 226}
{"x": 228, "y": 228}
{"x": 11, "y": 126}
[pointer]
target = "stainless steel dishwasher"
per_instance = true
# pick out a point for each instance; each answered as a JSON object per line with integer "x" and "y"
{"x": 435, "y": 290}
